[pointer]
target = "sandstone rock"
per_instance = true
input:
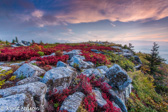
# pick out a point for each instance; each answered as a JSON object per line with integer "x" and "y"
{"x": 78, "y": 61}
{"x": 29, "y": 80}
{"x": 72, "y": 102}
{"x": 105, "y": 68}
{"x": 100, "y": 101}
{"x": 118, "y": 77}
{"x": 35, "y": 89}
{"x": 17, "y": 103}
{"x": 117, "y": 100}
{"x": 29, "y": 70}
{"x": 58, "y": 78}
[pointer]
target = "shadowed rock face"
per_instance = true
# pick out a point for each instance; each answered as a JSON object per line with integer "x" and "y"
{"x": 58, "y": 78}
{"x": 17, "y": 103}
{"x": 72, "y": 102}
{"x": 37, "y": 90}
{"x": 118, "y": 77}
{"x": 29, "y": 70}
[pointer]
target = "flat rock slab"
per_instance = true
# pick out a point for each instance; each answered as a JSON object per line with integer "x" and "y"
{"x": 58, "y": 78}
{"x": 18, "y": 103}
{"x": 29, "y": 70}
{"x": 118, "y": 77}
{"x": 72, "y": 102}
{"x": 100, "y": 101}
{"x": 29, "y": 80}
{"x": 36, "y": 89}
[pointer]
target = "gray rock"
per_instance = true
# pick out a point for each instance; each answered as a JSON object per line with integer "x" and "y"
{"x": 128, "y": 90}
{"x": 17, "y": 103}
{"x": 105, "y": 68}
{"x": 1, "y": 63}
{"x": 118, "y": 77}
{"x": 127, "y": 53}
{"x": 137, "y": 59}
{"x": 35, "y": 89}
{"x": 29, "y": 80}
{"x": 100, "y": 101}
{"x": 96, "y": 72}
{"x": 78, "y": 61}
{"x": 18, "y": 64}
{"x": 4, "y": 68}
{"x": 88, "y": 72}
{"x": 94, "y": 50}
{"x": 61, "y": 64}
{"x": 58, "y": 78}
{"x": 72, "y": 53}
{"x": 29, "y": 70}
{"x": 117, "y": 100}
{"x": 72, "y": 102}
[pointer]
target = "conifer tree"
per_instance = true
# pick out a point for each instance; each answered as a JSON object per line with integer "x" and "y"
{"x": 16, "y": 39}
{"x": 154, "y": 59}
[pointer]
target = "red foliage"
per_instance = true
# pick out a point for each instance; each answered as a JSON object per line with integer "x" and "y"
{"x": 50, "y": 60}
{"x": 23, "y": 53}
{"x": 95, "y": 58}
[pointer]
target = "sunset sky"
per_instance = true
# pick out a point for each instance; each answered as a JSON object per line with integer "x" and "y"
{"x": 138, "y": 21}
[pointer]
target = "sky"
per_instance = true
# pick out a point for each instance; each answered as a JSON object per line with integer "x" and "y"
{"x": 121, "y": 21}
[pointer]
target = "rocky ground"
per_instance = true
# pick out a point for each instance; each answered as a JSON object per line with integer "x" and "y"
{"x": 72, "y": 84}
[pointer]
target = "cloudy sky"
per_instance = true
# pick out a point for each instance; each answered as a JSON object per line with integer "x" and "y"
{"x": 138, "y": 21}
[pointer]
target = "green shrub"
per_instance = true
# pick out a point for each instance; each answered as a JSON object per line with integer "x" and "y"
{"x": 144, "y": 97}
{"x": 125, "y": 63}
{"x": 40, "y": 53}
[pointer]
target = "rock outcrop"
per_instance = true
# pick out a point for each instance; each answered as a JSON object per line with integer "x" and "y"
{"x": 58, "y": 78}
{"x": 118, "y": 77}
{"x": 23, "y": 102}
{"x": 37, "y": 90}
{"x": 28, "y": 70}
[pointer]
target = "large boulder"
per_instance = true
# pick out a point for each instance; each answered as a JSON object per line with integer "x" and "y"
{"x": 29, "y": 80}
{"x": 58, "y": 78}
{"x": 37, "y": 90}
{"x": 118, "y": 77}
{"x": 29, "y": 70}
{"x": 18, "y": 103}
{"x": 78, "y": 61}
{"x": 72, "y": 102}
{"x": 73, "y": 53}
{"x": 99, "y": 99}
